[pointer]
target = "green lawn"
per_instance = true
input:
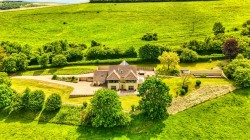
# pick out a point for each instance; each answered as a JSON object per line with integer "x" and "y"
{"x": 227, "y": 117}
{"x": 60, "y": 71}
{"x": 123, "y": 24}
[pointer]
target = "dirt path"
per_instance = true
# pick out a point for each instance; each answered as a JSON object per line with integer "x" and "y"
{"x": 199, "y": 96}
{"x": 79, "y": 89}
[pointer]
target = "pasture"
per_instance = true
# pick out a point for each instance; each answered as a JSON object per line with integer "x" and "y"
{"x": 123, "y": 24}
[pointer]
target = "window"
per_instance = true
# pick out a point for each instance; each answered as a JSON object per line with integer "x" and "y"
{"x": 131, "y": 88}
{"x": 113, "y": 87}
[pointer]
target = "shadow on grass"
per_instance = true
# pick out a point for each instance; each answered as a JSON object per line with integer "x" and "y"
{"x": 139, "y": 128}
{"x": 46, "y": 116}
{"x": 53, "y": 70}
{"x": 23, "y": 116}
{"x": 38, "y": 72}
{"x": 243, "y": 92}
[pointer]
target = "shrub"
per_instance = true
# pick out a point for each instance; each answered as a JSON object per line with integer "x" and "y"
{"x": 231, "y": 48}
{"x": 218, "y": 28}
{"x": 6, "y": 94}
{"x": 106, "y": 110}
{"x": 53, "y": 103}
{"x": 182, "y": 92}
{"x": 25, "y": 98}
{"x": 44, "y": 60}
{"x": 188, "y": 55}
{"x": 242, "y": 77}
{"x": 150, "y": 37}
{"x": 54, "y": 77}
{"x": 59, "y": 60}
{"x": 149, "y": 52}
{"x": 130, "y": 53}
{"x": 94, "y": 43}
{"x": 155, "y": 99}
{"x": 36, "y": 100}
{"x": 84, "y": 104}
{"x": 198, "y": 83}
{"x": 245, "y": 32}
{"x": 74, "y": 55}
{"x": 16, "y": 103}
{"x": 203, "y": 75}
{"x": 4, "y": 79}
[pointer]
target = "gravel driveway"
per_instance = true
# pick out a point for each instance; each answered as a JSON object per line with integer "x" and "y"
{"x": 79, "y": 89}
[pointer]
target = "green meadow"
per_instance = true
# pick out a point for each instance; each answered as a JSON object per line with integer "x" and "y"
{"x": 227, "y": 117}
{"x": 123, "y": 24}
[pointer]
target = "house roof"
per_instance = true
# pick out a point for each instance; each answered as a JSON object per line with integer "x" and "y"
{"x": 100, "y": 76}
{"x": 113, "y": 76}
{"x": 124, "y": 63}
{"x": 122, "y": 70}
{"x": 131, "y": 76}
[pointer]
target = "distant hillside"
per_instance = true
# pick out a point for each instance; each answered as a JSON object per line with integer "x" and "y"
{"x": 124, "y": 1}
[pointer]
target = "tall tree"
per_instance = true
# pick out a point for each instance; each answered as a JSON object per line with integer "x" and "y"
{"x": 149, "y": 52}
{"x": 106, "y": 110}
{"x": 169, "y": 60}
{"x": 231, "y": 48}
{"x": 155, "y": 99}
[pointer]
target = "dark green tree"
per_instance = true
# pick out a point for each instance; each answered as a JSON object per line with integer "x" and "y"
{"x": 130, "y": 53}
{"x": 242, "y": 77}
{"x": 149, "y": 52}
{"x": 155, "y": 99}
{"x": 44, "y": 60}
{"x": 36, "y": 100}
{"x": 4, "y": 79}
{"x": 59, "y": 60}
{"x": 53, "y": 103}
{"x": 106, "y": 110}
{"x": 218, "y": 28}
{"x": 6, "y": 94}
{"x": 188, "y": 55}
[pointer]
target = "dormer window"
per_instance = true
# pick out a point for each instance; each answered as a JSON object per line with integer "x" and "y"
{"x": 121, "y": 71}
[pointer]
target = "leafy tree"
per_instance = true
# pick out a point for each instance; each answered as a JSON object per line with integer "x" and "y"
{"x": 150, "y": 37}
{"x": 188, "y": 55}
{"x": 44, "y": 60}
{"x": 149, "y": 52}
{"x": 22, "y": 61}
{"x": 53, "y": 103}
{"x": 231, "y": 48}
{"x": 9, "y": 64}
{"x": 36, "y": 100}
{"x": 2, "y": 56}
{"x": 169, "y": 60}
{"x": 6, "y": 94}
{"x": 16, "y": 103}
{"x": 230, "y": 69}
{"x": 56, "y": 47}
{"x": 4, "y": 79}
{"x": 11, "y": 47}
{"x": 155, "y": 98}
{"x": 74, "y": 55}
{"x": 59, "y": 60}
{"x": 106, "y": 110}
{"x": 242, "y": 77}
{"x": 130, "y": 53}
{"x": 218, "y": 28}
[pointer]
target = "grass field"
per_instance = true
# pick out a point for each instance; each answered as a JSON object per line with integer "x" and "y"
{"x": 224, "y": 118}
{"x": 60, "y": 71}
{"x": 123, "y": 24}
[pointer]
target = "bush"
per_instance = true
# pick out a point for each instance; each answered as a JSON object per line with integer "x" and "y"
{"x": 150, "y": 37}
{"x": 188, "y": 55}
{"x": 242, "y": 77}
{"x": 54, "y": 77}
{"x": 53, "y": 103}
{"x": 183, "y": 92}
{"x": 25, "y": 98}
{"x": 74, "y": 55}
{"x": 4, "y": 79}
{"x": 203, "y": 75}
{"x": 218, "y": 28}
{"x": 16, "y": 103}
{"x": 245, "y": 32}
{"x": 149, "y": 52}
{"x": 198, "y": 83}
{"x": 44, "y": 60}
{"x": 130, "y": 53}
{"x": 106, "y": 110}
{"x": 36, "y": 100}
{"x": 6, "y": 94}
{"x": 84, "y": 104}
{"x": 59, "y": 60}
{"x": 95, "y": 43}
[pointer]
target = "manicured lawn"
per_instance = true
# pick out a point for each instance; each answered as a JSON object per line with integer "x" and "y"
{"x": 123, "y": 24}
{"x": 60, "y": 71}
{"x": 200, "y": 65}
{"x": 224, "y": 118}
{"x": 20, "y": 85}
